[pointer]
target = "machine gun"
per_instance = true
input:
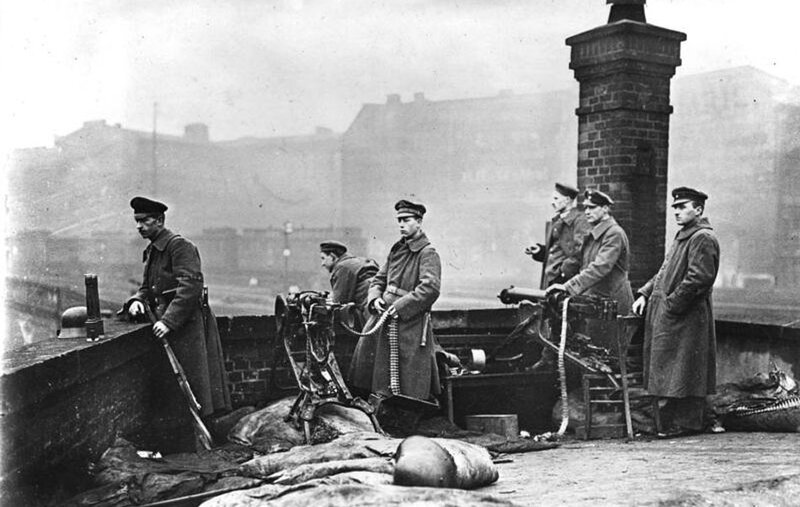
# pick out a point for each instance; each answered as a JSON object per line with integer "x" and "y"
{"x": 592, "y": 307}
{"x": 305, "y": 323}
{"x": 549, "y": 309}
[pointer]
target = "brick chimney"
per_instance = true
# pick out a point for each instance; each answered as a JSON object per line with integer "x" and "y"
{"x": 624, "y": 70}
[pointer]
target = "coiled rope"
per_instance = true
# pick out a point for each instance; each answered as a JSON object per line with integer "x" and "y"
{"x": 562, "y": 374}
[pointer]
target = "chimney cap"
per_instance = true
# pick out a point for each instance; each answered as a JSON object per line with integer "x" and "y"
{"x": 630, "y": 10}
{"x": 393, "y": 98}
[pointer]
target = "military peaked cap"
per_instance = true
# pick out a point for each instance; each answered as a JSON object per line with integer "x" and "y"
{"x": 567, "y": 190}
{"x": 686, "y": 194}
{"x": 409, "y": 209}
{"x": 143, "y": 205}
{"x": 598, "y": 198}
{"x": 333, "y": 247}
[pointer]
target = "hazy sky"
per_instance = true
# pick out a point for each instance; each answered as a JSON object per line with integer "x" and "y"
{"x": 281, "y": 67}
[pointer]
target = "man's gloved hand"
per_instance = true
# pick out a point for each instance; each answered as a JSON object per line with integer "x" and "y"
{"x": 556, "y": 287}
{"x": 136, "y": 309}
{"x": 160, "y": 329}
{"x": 379, "y": 305}
{"x": 392, "y": 311}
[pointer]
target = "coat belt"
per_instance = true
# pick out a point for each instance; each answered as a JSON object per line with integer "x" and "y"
{"x": 397, "y": 291}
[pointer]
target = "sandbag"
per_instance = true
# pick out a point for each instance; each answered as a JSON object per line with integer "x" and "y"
{"x": 419, "y": 461}
{"x": 474, "y": 466}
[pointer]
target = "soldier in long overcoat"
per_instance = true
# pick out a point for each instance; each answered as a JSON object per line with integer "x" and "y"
{"x": 172, "y": 288}
{"x": 680, "y": 340}
{"x": 407, "y": 285}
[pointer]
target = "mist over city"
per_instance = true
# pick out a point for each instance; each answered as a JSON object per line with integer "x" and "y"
{"x": 374, "y": 252}
{"x": 268, "y": 127}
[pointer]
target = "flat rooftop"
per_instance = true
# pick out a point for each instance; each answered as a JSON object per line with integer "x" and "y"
{"x": 708, "y": 469}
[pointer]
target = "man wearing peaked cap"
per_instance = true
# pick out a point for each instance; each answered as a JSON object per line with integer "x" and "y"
{"x": 332, "y": 246}
{"x": 406, "y": 287}
{"x": 409, "y": 209}
{"x": 350, "y": 276}
{"x": 597, "y": 198}
{"x": 145, "y": 206}
{"x": 560, "y": 255}
{"x": 679, "y": 335}
{"x": 681, "y": 195}
{"x": 567, "y": 190}
{"x": 172, "y": 292}
{"x": 604, "y": 264}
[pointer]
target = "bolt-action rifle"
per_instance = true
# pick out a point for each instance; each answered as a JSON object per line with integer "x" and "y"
{"x": 203, "y": 435}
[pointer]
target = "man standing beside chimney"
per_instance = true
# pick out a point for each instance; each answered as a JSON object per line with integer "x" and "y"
{"x": 679, "y": 336}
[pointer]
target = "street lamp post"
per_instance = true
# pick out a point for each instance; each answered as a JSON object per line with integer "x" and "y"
{"x": 287, "y": 230}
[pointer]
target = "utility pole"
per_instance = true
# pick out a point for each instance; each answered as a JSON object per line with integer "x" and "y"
{"x": 155, "y": 145}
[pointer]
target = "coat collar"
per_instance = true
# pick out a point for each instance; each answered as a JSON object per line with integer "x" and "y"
{"x": 346, "y": 256}
{"x": 160, "y": 241}
{"x": 602, "y": 227}
{"x": 687, "y": 232}
{"x": 569, "y": 217}
{"x": 416, "y": 244}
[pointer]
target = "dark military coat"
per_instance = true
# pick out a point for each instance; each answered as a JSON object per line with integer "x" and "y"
{"x": 172, "y": 286}
{"x": 680, "y": 340}
{"x": 410, "y": 280}
{"x": 350, "y": 279}
{"x": 561, "y": 255}
{"x": 604, "y": 265}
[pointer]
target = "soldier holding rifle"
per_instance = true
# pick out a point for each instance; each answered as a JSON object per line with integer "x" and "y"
{"x": 172, "y": 289}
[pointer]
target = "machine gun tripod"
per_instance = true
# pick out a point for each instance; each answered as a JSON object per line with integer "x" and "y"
{"x": 305, "y": 323}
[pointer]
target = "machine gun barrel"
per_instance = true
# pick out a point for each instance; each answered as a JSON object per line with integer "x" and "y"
{"x": 586, "y": 306}
{"x": 514, "y": 295}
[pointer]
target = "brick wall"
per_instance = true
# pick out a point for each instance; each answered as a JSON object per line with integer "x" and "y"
{"x": 624, "y": 70}
{"x": 256, "y": 362}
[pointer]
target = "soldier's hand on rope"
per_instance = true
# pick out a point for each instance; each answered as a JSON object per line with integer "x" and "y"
{"x": 160, "y": 329}
{"x": 136, "y": 309}
{"x": 639, "y": 306}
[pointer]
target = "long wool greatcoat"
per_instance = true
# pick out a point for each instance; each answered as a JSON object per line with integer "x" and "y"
{"x": 172, "y": 286}
{"x": 561, "y": 255}
{"x": 604, "y": 265}
{"x": 680, "y": 340}
{"x": 410, "y": 280}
